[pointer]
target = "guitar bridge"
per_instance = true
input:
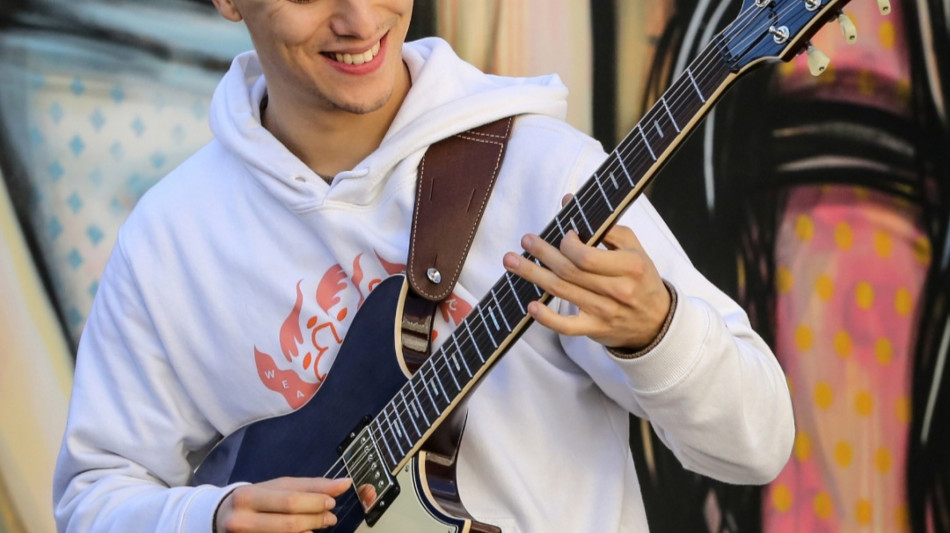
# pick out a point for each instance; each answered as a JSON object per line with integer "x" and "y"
{"x": 374, "y": 485}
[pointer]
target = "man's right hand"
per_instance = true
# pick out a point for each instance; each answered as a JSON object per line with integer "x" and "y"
{"x": 283, "y": 505}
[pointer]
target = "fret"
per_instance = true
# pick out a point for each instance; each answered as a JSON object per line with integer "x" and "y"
{"x": 498, "y": 305}
{"x": 412, "y": 419}
{"x": 695, "y": 85}
{"x": 670, "y": 113}
{"x": 515, "y": 294}
{"x": 559, "y": 227}
{"x": 451, "y": 373}
{"x": 395, "y": 460}
{"x": 475, "y": 344}
{"x": 445, "y": 394}
{"x": 426, "y": 388}
{"x": 574, "y": 226}
{"x": 417, "y": 403}
{"x": 580, "y": 209}
{"x": 536, "y": 289}
{"x": 645, "y": 142}
{"x": 392, "y": 431}
{"x": 624, "y": 168}
{"x": 603, "y": 193}
{"x": 487, "y": 331}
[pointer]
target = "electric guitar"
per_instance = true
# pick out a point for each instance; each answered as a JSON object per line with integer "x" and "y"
{"x": 383, "y": 433}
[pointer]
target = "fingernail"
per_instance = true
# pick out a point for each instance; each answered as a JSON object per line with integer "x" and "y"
{"x": 329, "y": 520}
{"x": 527, "y": 241}
{"x": 512, "y": 260}
{"x": 331, "y": 503}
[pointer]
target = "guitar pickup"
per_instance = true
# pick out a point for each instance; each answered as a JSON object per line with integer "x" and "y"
{"x": 374, "y": 485}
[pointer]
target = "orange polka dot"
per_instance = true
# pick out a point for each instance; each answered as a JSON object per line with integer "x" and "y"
{"x": 784, "y": 280}
{"x": 804, "y": 228}
{"x": 886, "y": 34}
{"x": 802, "y": 447}
{"x": 867, "y": 83}
{"x": 844, "y": 237}
{"x": 824, "y": 396}
{"x": 882, "y": 460}
{"x": 863, "y": 403}
{"x": 825, "y": 287}
{"x": 843, "y": 344}
{"x": 781, "y": 498}
{"x": 883, "y": 351}
{"x": 922, "y": 251}
{"x": 804, "y": 338}
{"x": 823, "y": 505}
{"x": 902, "y": 410}
{"x": 903, "y": 302}
{"x": 864, "y": 295}
{"x": 902, "y": 517}
{"x": 882, "y": 244}
{"x": 863, "y": 512}
{"x": 843, "y": 454}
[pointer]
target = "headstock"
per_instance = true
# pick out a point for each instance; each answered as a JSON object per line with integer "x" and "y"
{"x": 771, "y": 30}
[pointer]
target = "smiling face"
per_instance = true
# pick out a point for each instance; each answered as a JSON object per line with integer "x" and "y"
{"x": 329, "y": 55}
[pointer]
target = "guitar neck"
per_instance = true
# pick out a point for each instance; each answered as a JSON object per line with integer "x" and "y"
{"x": 501, "y": 316}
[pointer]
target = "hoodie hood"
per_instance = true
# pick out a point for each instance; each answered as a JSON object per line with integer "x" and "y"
{"x": 448, "y": 96}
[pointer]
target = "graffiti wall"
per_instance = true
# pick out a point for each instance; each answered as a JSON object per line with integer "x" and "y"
{"x": 819, "y": 203}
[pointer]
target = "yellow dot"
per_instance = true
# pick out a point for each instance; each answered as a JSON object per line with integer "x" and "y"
{"x": 862, "y": 193}
{"x": 902, "y": 517}
{"x": 804, "y": 338}
{"x": 882, "y": 244}
{"x": 823, "y": 505}
{"x": 843, "y": 344}
{"x": 863, "y": 403}
{"x": 882, "y": 460}
{"x": 902, "y": 91}
{"x": 922, "y": 251}
{"x": 863, "y": 512}
{"x": 825, "y": 287}
{"x": 804, "y": 228}
{"x": 902, "y": 409}
{"x": 864, "y": 295}
{"x": 824, "y": 396}
{"x": 886, "y": 34}
{"x": 883, "y": 351}
{"x": 844, "y": 237}
{"x": 787, "y": 68}
{"x": 903, "y": 302}
{"x": 802, "y": 446}
{"x": 781, "y": 498}
{"x": 784, "y": 280}
{"x": 843, "y": 454}
{"x": 866, "y": 83}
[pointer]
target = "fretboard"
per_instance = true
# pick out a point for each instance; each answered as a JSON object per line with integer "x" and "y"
{"x": 501, "y": 316}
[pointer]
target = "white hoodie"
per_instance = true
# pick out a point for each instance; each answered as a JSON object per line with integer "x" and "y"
{"x": 236, "y": 277}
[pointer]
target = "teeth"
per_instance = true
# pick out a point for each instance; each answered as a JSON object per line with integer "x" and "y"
{"x": 358, "y": 59}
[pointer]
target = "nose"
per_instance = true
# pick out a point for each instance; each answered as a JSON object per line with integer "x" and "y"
{"x": 354, "y": 18}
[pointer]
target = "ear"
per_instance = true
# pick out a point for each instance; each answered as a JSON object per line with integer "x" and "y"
{"x": 228, "y": 10}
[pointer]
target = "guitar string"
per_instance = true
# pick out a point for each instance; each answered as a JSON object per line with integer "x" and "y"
{"x": 704, "y": 62}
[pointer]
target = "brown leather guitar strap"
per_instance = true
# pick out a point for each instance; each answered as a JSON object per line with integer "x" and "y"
{"x": 456, "y": 177}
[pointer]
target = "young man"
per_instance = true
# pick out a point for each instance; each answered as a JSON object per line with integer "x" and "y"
{"x": 234, "y": 281}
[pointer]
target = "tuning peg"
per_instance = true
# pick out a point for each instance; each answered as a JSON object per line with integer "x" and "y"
{"x": 884, "y": 6}
{"x": 847, "y": 28}
{"x": 817, "y": 60}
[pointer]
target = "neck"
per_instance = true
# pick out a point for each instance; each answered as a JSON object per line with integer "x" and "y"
{"x": 330, "y": 141}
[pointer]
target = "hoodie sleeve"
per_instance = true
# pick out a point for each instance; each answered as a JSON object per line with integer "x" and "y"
{"x": 127, "y": 410}
{"x": 712, "y": 388}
